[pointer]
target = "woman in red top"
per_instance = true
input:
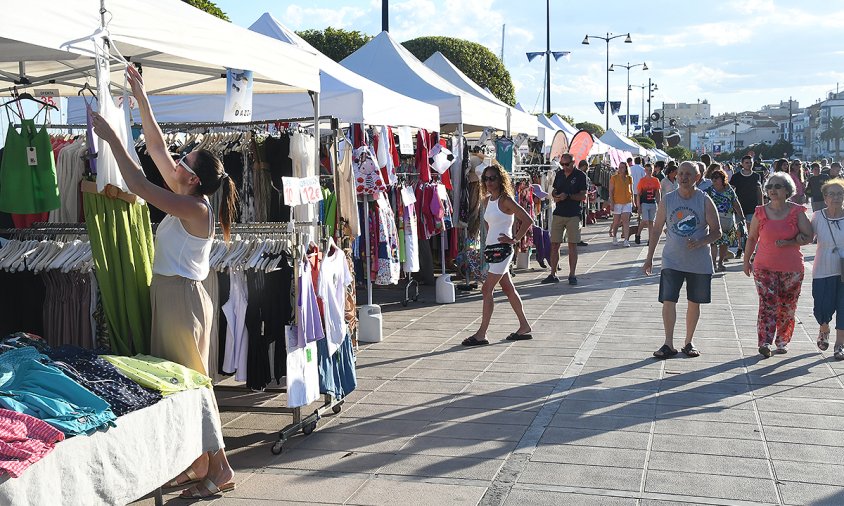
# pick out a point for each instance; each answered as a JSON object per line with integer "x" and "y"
{"x": 778, "y": 228}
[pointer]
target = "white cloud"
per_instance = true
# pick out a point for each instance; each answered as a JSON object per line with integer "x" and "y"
{"x": 297, "y": 17}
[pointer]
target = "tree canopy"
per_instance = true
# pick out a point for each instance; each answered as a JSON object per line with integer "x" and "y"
{"x": 644, "y": 141}
{"x": 679, "y": 153}
{"x": 335, "y": 43}
{"x": 209, "y": 7}
{"x": 473, "y": 59}
{"x": 592, "y": 128}
{"x": 834, "y": 133}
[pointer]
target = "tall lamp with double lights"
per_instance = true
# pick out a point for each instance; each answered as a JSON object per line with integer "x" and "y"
{"x": 607, "y": 39}
{"x": 548, "y": 54}
{"x": 628, "y": 67}
{"x": 652, "y": 87}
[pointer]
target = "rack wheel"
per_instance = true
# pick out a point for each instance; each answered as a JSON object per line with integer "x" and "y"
{"x": 277, "y": 448}
{"x": 336, "y": 409}
{"x": 404, "y": 302}
{"x": 307, "y": 429}
{"x": 416, "y": 298}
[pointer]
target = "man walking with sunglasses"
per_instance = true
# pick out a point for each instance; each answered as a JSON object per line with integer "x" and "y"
{"x": 569, "y": 192}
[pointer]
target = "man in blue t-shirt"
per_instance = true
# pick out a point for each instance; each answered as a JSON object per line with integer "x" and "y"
{"x": 569, "y": 192}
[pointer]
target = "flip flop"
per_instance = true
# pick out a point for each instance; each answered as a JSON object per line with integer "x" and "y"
{"x": 211, "y": 487}
{"x": 471, "y": 341}
{"x": 192, "y": 479}
{"x": 665, "y": 352}
{"x": 519, "y": 337}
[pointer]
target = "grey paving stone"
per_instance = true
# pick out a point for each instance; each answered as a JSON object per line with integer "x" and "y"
{"x": 804, "y": 436}
{"x": 584, "y": 437}
{"x": 296, "y": 488}
{"x": 521, "y": 497}
{"x": 810, "y": 421}
{"x": 423, "y": 386}
{"x": 807, "y": 406}
{"x": 706, "y": 485}
{"x": 390, "y": 412}
{"x": 800, "y": 452}
{"x": 498, "y": 417}
{"x": 533, "y": 392}
{"x": 709, "y": 446}
{"x": 697, "y": 428}
{"x": 456, "y": 447}
{"x": 474, "y": 430}
{"x": 407, "y": 398}
{"x": 517, "y": 377}
{"x": 499, "y": 402}
{"x": 601, "y": 422}
{"x": 709, "y": 464}
{"x": 573, "y": 475}
{"x": 329, "y": 461}
{"x": 436, "y": 466}
{"x": 589, "y": 455}
{"x": 376, "y": 426}
{"x": 387, "y": 492}
{"x": 808, "y": 472}
{"x": 811, "y": 493}
{"x": 642, "y": 409}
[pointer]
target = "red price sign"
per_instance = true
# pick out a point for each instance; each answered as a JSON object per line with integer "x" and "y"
{"x": 292, "y": 194}
{"x": 310, "y": 190}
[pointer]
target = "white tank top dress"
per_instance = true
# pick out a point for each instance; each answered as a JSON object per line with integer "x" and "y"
{"x": 499, "y": 223}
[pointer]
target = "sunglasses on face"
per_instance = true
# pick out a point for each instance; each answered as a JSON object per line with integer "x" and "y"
{"x": 775, "y": 186}
{"x": 185, "y": 165}
{"x": 565, "y": 164}
{"x": 489, "y": 178}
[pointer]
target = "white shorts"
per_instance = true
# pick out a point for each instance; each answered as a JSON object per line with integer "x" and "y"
{"x": 501, "y": 267}
{"x": 622, "y": 208}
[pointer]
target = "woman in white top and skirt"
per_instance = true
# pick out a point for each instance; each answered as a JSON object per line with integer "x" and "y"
{"x": 501, "y": 209}
{"x": 181, "y": 308}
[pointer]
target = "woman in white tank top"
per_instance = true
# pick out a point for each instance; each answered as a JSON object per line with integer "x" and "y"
{"x": 182, "y": 251}
{"x": 501, "y": 210}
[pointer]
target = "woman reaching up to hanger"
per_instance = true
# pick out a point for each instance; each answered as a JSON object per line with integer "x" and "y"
{"x": 182, "y": 310}
{"x": 501, "y": 209}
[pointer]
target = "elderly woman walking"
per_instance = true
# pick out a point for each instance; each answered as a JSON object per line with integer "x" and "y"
{"x": 827, "y": 283}
{"x": 729, "y": 211}
{"x": 777, "y": 231}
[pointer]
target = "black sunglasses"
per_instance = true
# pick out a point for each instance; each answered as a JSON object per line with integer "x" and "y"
{"x": 489, "y": 178}
{"x": 775, "y": 186}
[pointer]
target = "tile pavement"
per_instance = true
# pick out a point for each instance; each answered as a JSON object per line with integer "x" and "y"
{"x": 579, "y": 415}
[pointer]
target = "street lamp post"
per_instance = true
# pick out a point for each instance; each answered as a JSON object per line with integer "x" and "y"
{"x": 652, "y": 87}
{"x": 735, "y": 135}
{"x": 607, "y": 39}
{"x": 548, "y": 53}
{"x": 628, "y": 67}
{"x": 642, "y": 117}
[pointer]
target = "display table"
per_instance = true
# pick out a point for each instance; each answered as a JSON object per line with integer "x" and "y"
{"x": 147, "y": 448}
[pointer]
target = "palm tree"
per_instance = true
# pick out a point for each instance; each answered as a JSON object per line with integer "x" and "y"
{"x": 834, "y": 133}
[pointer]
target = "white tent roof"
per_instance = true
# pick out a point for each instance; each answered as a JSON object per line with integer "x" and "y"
{"x": 564, "y": 125}
{"x": 181, "y": 49}
{"x": 618, "y": 141}
{"x": 661, "y": 155}
{"x": 387, "y": 62}
{"x": 520, "y": 122}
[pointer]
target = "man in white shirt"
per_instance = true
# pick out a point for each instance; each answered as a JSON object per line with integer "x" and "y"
{"x": 637, "y": 172}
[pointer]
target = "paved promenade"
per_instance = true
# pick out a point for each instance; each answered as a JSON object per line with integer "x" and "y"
{"x": 582, "y": 414}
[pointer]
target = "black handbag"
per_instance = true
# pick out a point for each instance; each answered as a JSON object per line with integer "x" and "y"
{"x": 495, "y": 253}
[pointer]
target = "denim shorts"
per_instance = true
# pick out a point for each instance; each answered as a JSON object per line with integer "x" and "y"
{"x": 698, "y": 286}
{"x": 648, "y": 211}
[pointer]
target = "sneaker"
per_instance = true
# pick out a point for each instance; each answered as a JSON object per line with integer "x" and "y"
{"x": 572, "y": 280}
{"x": 638, "y": 239}
{"x": 615, "y": 241}
{"x": 766, "y": 350}
{"x": 781, "y": 350}
{"x": 626, "y": 244}
{"x": 738, "y": 253}
{"x": 550, "y": 279}
{"x": 839, "y": 352}
{"x": 583, "y": 243}
{"x": 542, "y": 263}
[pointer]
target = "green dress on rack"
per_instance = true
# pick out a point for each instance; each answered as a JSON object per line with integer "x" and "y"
{"x": 25, "y": 188}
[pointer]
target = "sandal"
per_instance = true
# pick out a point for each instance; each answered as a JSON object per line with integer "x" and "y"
{"x": 823, "y": 339}
{"x": 839, "y": 352}
{"x": 665, "y": 352}
{"x": 472, "y": 341}
{"x": 690, "y": 351}
{"x": 515, "y": 336}
{"x": 175, "y": 483}
{"x": 209, "y": 486}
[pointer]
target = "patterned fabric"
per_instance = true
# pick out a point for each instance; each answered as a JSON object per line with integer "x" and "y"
{"x": 24, "y": 440}
{"x": 724, "y": 204}
{"x": 368, "y": 179}
{"x": 159, "y": 374}
{"x": 778, "y": 294}
{"x": 103, "y": 379}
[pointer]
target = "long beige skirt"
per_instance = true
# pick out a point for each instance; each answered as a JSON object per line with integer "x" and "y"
{"x": 182, "y": 314}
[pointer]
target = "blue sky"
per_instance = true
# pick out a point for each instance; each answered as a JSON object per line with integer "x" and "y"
{"x": 738, "y": 54}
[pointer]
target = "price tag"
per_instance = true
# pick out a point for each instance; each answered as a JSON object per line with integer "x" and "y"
{"x": 442, "y": 193}
{"x": 50, "y": 92}
{"x": 405, "y": 141}
{"x": 31, "y": 157}
{"x": 408, "y": 196}
{"x": 311, "y": 192}
{"x": 291, "y": 192}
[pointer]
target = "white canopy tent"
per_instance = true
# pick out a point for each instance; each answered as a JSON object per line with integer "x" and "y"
{"x": 661, "y": 155}
{"x": 387, "y": 62}
{"x": 38, "y": 50}
{"x": 564, "y": 125}
{"x": 344, "y": 94}
{"x": 549, "y": 127}
{"x": 520, "y": 122}
{"x": 618, "y": 141}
